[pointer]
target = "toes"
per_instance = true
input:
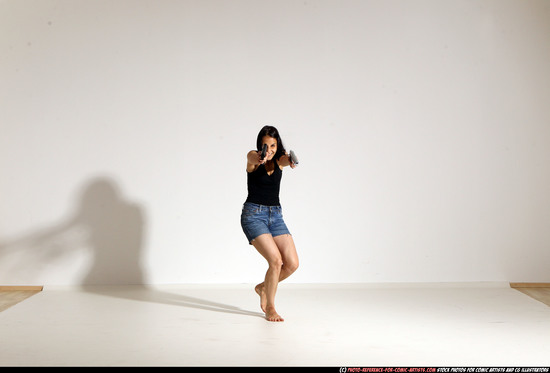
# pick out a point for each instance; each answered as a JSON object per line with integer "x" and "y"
{"x": 274, "y": 318}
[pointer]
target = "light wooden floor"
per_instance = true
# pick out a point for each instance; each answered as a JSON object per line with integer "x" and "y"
{"x": 540, "y": 294}
{"x": 10, "y": 297}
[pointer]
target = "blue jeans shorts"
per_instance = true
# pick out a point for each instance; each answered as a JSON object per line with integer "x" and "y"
{"x": 260, "y": 219}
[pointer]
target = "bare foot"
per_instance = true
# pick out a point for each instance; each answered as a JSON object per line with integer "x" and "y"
{"x": 263, "y": 298}
{"x": 272, "y": 315}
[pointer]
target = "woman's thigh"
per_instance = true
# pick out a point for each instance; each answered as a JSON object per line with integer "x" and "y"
{"x": 287, "y": 249}
{"x": 266, "y": 246}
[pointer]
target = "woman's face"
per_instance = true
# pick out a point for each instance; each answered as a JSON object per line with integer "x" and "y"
{"x": 271, "y": 146}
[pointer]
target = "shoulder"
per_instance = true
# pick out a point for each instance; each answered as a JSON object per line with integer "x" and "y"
{"x": 251, "y": 168}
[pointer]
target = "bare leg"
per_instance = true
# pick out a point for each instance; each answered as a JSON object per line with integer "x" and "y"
{"x": 260, "y": 290}
{"x": 266, "y": 246}
{"x": 287, "y": 250}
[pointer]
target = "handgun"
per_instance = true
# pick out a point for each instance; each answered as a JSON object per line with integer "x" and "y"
{"x": 264, "y": 151}
{"x": 293, "y": 157}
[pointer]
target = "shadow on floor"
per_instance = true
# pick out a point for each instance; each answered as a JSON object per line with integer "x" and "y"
{"x": 144, "y": 293}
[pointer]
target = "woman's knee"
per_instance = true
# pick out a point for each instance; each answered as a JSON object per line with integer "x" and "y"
{"x": 275, "y": 263}
{"x": 291, "y": 266}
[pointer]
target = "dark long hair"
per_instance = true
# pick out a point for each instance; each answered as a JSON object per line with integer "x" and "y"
{"x": 271, "y": 132}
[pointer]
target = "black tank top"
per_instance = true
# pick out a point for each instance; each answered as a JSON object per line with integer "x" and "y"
{"x": 263, "y": 189}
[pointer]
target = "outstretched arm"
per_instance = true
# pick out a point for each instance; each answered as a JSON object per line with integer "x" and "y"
{"x": 254, "y": 159}
{"x": 285, "y": 161}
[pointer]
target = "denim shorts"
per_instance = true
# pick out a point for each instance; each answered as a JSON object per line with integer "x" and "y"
{"x": 260, "y": 219}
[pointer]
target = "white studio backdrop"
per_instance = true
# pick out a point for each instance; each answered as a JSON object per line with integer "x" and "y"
{"x": 422, "y": 129}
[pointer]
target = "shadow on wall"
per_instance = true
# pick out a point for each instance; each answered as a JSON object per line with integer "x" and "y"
{"x": 115, "y": 228}
{"x": 111, "y": 227}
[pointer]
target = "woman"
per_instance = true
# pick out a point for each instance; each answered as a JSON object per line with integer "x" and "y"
{"x": 262, "y": 219}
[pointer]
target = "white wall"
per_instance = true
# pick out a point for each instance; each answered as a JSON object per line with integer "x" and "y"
{"x": 422, "y": 127}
